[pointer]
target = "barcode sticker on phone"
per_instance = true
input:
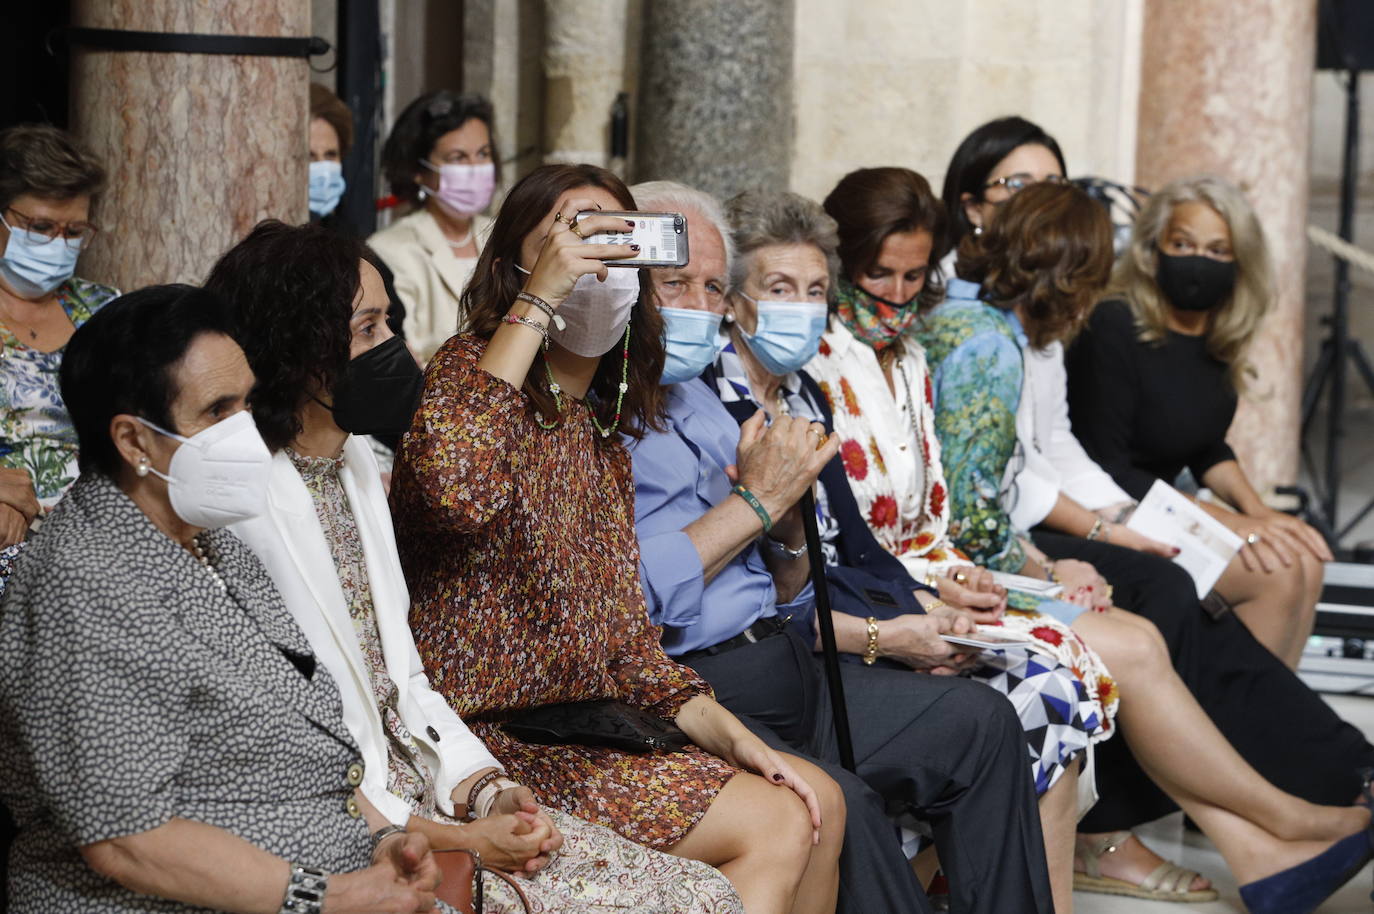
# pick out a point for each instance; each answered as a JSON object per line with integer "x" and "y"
{"x": 657, "y": 237}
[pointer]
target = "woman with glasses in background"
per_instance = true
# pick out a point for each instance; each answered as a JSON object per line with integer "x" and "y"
{"x": 47, "y": 186}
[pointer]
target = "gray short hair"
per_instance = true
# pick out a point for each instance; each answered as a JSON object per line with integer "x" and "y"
{"x": 761, "y": 218}
{"x": 672, "y": 197}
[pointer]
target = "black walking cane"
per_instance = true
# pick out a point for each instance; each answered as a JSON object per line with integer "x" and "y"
{"x": 827, "y": 625}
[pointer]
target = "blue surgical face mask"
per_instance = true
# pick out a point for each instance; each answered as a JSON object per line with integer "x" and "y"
{"x": 693, "y": 340}
{"x": 33, "y": 265}
{"x": 786, "y": 333}
{"x": 326, "y": 186}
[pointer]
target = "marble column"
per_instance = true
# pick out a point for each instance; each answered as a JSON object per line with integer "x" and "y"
{"x": 1226, "y": 88}
{"x": 716, "y": 94}
{"x": 584, "y": 69}
{"x": 199, "y": 147}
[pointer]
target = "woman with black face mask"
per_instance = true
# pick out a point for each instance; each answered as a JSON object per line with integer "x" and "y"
{"x": 1154, "y": 381}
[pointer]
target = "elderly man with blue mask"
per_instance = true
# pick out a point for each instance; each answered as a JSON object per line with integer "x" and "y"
{"x": 723, "y": 571}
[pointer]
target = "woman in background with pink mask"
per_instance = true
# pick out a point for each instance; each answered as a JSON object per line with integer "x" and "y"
{"x": 441, "y": 159}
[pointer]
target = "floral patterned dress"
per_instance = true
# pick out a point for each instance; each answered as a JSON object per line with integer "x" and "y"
{"x": 896, "y": 468}
{"x": 519, "y": 546}
{"x": 596, "y": 870}
{"x": 36, "y": 433}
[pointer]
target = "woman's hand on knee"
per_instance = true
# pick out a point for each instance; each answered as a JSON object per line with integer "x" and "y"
{"x": 753, "y": 754}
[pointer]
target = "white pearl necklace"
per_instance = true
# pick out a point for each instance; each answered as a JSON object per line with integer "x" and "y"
{"x": 204, "y": 560}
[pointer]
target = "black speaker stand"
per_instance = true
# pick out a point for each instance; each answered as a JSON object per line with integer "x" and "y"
{"x": 1338, "y": 348}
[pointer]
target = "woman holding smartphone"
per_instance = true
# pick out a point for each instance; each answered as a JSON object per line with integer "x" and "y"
{"x": 513, "y": 504}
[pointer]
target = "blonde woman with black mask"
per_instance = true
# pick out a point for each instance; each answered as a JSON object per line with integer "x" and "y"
{"x": 1155, "y": 379}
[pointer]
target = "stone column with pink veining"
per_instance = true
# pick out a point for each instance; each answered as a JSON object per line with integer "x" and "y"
{"x": 199, "y": 147}
{"x": 1226, "y": 88}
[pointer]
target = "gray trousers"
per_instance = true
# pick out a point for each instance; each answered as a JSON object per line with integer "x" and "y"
{"x": 944, "y": 749}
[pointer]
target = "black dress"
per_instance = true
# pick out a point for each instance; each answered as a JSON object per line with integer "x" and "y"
{"x": 1144, "y": 411}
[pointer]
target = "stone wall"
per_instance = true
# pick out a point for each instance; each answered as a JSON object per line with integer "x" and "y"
{"x": 901, "y": 82}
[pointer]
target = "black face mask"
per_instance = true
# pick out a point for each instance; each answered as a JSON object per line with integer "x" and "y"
{"x": 1195, "y": 283}
{"x": 379, "y": 392}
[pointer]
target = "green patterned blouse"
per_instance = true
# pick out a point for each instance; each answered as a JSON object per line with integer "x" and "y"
{"x": 976, "y": 368}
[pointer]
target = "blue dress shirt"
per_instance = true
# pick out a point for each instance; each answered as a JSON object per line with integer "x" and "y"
{"x": 679, "y": 476}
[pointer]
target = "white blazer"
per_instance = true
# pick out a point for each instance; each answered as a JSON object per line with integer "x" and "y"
{"x": 1052, "y": 459}
{"x": 290, "y": 542}
{"x": 428, "y": 278}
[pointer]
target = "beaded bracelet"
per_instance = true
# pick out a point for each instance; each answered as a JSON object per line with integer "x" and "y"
{"x": 752, "y": 501}
{"x": 525, "y": 321}
{"x": 542, "y": 306}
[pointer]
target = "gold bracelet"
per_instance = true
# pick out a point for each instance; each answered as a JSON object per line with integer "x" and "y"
{"x": 934, "y": 605}
{"x": 871, "y": 652}
{"x": 1097, "y": 528}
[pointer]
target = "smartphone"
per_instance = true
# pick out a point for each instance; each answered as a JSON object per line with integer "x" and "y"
{"x": 662, "y": 238}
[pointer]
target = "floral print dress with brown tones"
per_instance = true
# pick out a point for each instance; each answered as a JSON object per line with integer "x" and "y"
{"x": 595, "y": 870}
{"x": 519, "y": 548}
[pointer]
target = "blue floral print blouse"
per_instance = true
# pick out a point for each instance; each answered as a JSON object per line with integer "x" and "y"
{"x": 975, "y": 364}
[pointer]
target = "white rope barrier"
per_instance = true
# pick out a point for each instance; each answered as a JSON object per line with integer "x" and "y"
{"x": 1336, "y": 245}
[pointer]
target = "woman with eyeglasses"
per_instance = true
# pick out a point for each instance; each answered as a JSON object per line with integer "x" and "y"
{"x": 1154, "y": 381}
{"x": 992, "y": 165}
{"x": 47, "y": 185}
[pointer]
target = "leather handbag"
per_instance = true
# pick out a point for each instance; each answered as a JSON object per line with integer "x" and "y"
{"x": 463, "y": 874}
{"x": 608, "y": 723}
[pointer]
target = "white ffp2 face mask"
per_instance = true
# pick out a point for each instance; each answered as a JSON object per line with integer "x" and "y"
{"x": 595, "y": 312}
{"x": 219, "y": 475}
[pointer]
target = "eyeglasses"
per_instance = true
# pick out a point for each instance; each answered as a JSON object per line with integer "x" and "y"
{"x": 75, "y": 235}
{"x": 1018, "y": 182}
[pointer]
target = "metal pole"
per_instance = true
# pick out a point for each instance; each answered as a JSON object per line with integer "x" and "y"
{"x": 1340, "y": 312}
{"x": 359, "y": 53}
{"x": 829, "y": 649}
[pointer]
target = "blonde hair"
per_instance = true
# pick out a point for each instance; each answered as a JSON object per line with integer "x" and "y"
{"x": 1234, "y": 324}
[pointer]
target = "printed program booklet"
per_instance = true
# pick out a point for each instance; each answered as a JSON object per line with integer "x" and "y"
{"x": 1205, "y": 544}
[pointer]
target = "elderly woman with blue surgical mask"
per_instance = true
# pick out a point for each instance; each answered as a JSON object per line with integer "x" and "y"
{"x": 47, "y": 185}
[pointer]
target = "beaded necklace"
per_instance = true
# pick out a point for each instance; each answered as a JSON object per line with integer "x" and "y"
{"x": 557, "y": 390}
{"x": 199, "y": 551}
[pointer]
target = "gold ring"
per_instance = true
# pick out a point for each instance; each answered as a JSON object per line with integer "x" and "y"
{"x": 1253, "y": 538}
{"x": 820, "y": 435}
{"x": 558, "y": 217}
{"x": 1109, "y": 593}
{"x": 960, "y": 577}
{"x": 573, "y": 228}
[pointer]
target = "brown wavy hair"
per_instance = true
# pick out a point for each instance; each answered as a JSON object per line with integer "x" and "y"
{"x": 495, "y": 283}
{"x": 1050, "y": 251}
{"x": 872, "y": 203}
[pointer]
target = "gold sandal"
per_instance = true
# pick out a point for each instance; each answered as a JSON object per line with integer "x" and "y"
{"x": 1168, "y": 881}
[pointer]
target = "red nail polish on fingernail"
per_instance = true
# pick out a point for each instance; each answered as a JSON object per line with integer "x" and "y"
{"x": 634, "y": 247}
{"x": 1177, "y": 550}
{"x": 630, "y": 223}
{"x": 777, "y": 777}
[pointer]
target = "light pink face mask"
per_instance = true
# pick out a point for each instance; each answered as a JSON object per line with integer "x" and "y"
{"x": 464, "y": 189}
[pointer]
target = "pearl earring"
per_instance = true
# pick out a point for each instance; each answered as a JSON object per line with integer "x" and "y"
{"x": 977, "y": 230}
{"x": 143, "y": 467}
